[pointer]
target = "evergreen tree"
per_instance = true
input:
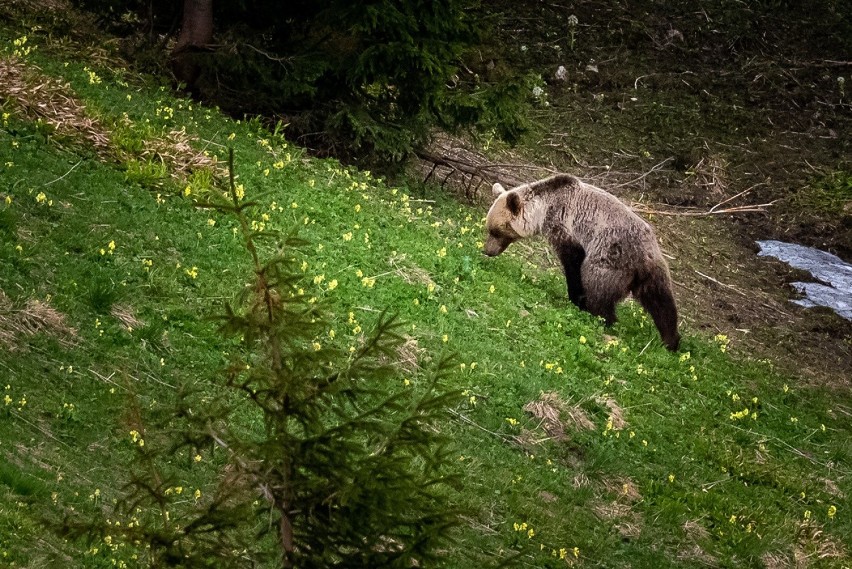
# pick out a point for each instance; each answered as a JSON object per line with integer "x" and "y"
{"x": 359, "y": 79}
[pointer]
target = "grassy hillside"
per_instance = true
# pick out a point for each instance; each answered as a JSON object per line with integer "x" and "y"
{"x": 578, "y": 446}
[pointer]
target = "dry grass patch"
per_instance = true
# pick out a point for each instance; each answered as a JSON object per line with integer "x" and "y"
{"x": 175, "y": 149}
{"x": 124, "y": 314}
{"x": 39, "y": 97}
{"x": 626, "y": 522}
{"x": 35, "y": 317}
{"x": 408, "y": 273}
{"x": 409, "y": 354}
{"x": 624, "y": 488}
{"x": 616, "y": 413}
{"x": 628, "y": 530}
{"x": 814, "y": 544}
{"x": 695, "y": 554}
{"x": 612, "y": 510}
{"x": 778, "y": 560}
{"x": 695, "y": 531}
{"x": 580, "y": 480}
{"x": 547, "y": 410}
{"x": 556, "y": 416}
{"x": 710, "y": 180}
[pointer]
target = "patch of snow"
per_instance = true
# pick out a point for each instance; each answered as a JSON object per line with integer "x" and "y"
{"x": 823, "y": 266}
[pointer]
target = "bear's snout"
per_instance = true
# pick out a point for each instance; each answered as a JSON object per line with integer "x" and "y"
{"x": 494, "y": 247}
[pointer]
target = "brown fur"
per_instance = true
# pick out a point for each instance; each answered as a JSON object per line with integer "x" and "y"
{"x": 606, "y": 250}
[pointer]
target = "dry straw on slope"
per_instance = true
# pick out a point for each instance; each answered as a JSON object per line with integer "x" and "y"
{"x": 42, "y": 98}
{"x": 39, "y": 97}
{"x": 33, "y": 318}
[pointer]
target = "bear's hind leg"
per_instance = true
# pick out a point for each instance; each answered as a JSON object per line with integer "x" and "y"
{"x": 571, "y": 255}
{"x": 655, "y": 295}
{"x": 603, "y": 307}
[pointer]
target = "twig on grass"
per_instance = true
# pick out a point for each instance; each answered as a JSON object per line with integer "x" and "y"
{"x": 47, "y": 434}
{"x": 63, "y": 175}
{"x": 645, "y": 348}
{"x": 793, "y": 450}
{"x": 469, "y": 421}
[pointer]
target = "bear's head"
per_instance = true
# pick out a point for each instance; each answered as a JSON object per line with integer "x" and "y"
{"x": 504, "y": 223}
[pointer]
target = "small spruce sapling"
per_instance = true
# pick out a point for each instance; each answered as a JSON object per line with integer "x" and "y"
{"x": 351, "y": 465}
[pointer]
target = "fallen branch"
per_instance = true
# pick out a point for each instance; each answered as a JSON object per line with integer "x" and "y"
{"x": 691, "y": 212}
{"x": 653, "y": 169}
{"x": 711, "y": 279}
{"x": 484, "y": 171}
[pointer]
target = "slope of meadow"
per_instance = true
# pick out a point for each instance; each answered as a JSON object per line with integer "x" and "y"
{"x": 578, "y": 446}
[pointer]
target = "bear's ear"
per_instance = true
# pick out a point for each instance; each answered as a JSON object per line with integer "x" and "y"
{"x": 513, "y": 202}
{"x": 497, "y": 189}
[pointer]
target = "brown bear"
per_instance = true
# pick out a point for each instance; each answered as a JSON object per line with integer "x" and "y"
{"x": 606, "y": 250}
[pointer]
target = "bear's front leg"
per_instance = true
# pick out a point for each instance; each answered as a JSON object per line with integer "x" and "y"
{"x": 572, "y": 255}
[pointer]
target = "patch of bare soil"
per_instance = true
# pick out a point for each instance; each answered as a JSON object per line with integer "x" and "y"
{"x": 723, "y": 287}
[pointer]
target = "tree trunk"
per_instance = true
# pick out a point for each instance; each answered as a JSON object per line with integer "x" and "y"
{"x": 196, "y": 34}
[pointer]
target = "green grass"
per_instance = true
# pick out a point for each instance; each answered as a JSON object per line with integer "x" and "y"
{"x": 687, "y": 480}
{"x": 828, "y": 194}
